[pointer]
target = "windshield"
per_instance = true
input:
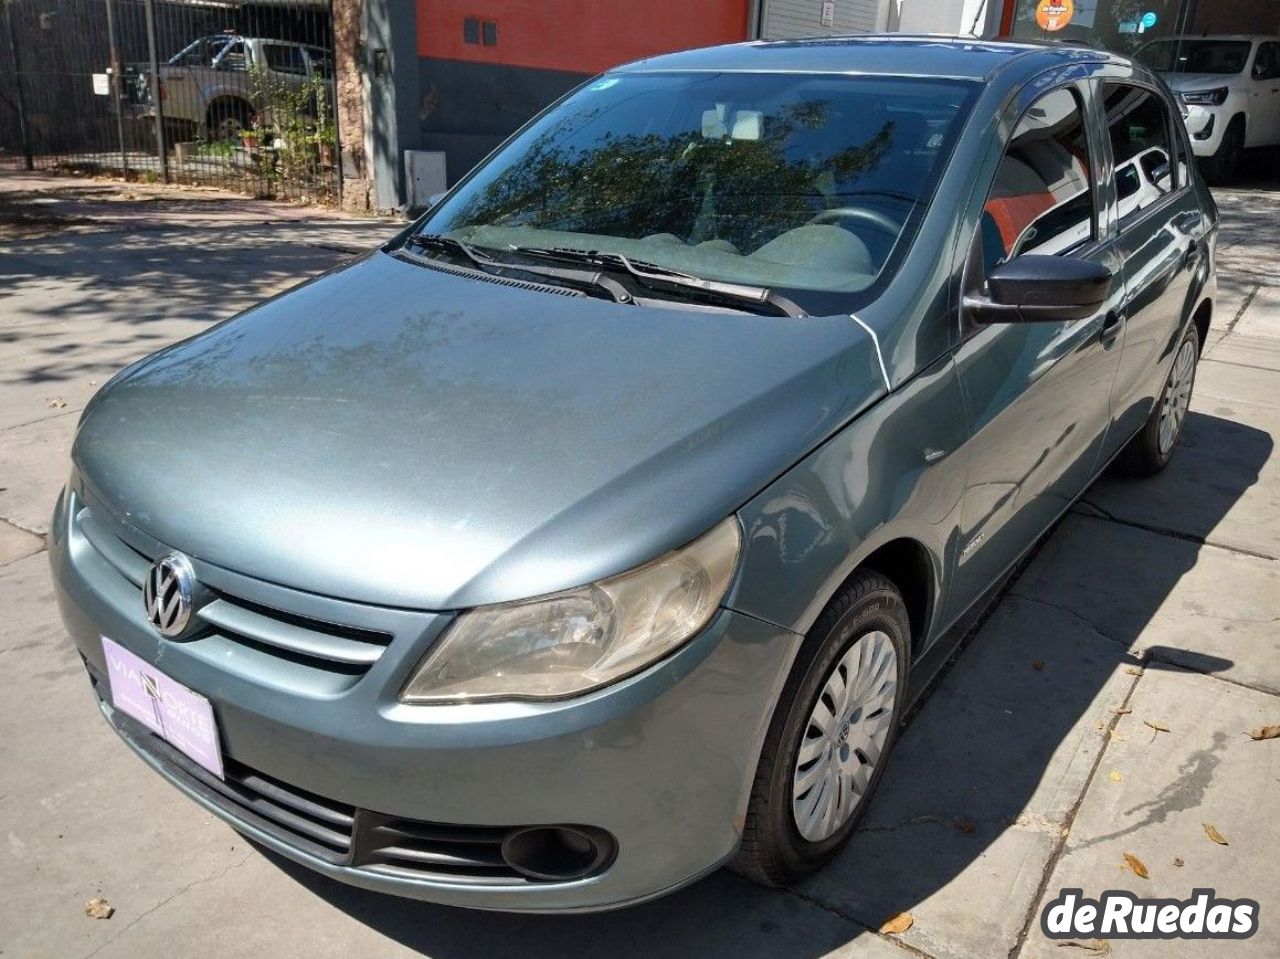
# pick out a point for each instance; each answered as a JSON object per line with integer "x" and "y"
{"x": 793, "y": 182}
{"x": 1195, "y": 56}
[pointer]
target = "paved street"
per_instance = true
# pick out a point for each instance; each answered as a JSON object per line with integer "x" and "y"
{"x": 1101, "y": 710}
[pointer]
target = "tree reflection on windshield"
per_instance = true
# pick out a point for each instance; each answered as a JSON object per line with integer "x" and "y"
{"x": 696, "y": 188}
{"x": 787, "y": 181}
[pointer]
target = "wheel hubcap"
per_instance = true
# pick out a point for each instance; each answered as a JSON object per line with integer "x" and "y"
{"x": 844, "y": 738}
{"x": 1177, "y": 396}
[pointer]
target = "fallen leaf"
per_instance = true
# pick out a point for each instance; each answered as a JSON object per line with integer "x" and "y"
{"x": 1211, "y": 831}
{"x": 966, "y": 825}
{"x": 1122, "y": 711}
{"x": 1178, "y": 862}
{"x": 1265, "y": 732}
{"x": 1133, "y": 671}
{"x": 1158, "y": 727}
{"x": 1115, "y": 735}
{"x": 1115, "y": 776}
{"x": 1098, "y": 947}
{"x": 1038, "y": 665}
{"x": 56, "y": 403}
{"x": 98, "y": 909}
{"x": 1137, "y": 865}
{"x": 897, "y": 924}
{"x": 1066, "y": 831}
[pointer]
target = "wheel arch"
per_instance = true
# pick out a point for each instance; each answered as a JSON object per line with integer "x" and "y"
{"x": 233, "y": 100}
{"x": 907, "y": 563}
{"x": 1200, "y": 319}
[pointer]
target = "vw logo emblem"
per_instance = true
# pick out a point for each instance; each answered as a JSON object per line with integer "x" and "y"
{"x": 166, "y": 594}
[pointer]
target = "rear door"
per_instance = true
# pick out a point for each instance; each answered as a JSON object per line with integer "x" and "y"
{"x": 1157, "y": 229}
{"x": 1037, "y": 393}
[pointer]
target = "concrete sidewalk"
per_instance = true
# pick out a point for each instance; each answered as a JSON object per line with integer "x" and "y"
{"x": 1101, "y": 710}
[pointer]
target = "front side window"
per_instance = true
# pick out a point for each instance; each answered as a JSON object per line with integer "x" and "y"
{"x": 793, "y": 182}
{"x": 1266, "y": 65}
{"x": 1041, "y": 200}
{"x": 1141, "y": 145}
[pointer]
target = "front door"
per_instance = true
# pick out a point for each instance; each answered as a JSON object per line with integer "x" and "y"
{"x": 1038, "y": 393}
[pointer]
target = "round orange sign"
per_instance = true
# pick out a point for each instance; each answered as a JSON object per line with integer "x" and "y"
{"x": 1054, "y": 14}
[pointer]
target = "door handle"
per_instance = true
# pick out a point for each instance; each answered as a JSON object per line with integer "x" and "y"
{"x": 1193, "y": 250}
{"x": 1111, "y": 327}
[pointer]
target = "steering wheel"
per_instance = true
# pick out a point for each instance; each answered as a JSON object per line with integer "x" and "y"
{"x": 882, "y": 222}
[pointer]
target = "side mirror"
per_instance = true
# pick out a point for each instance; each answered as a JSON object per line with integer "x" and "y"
{"x": 1036, "y": 288}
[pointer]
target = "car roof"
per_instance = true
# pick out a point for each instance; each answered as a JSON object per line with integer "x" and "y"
{"x": 922, "y": 55}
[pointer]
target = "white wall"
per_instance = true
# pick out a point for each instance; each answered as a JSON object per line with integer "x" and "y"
{"x": 784, "y": 19}
{"x": 966, "y": 17}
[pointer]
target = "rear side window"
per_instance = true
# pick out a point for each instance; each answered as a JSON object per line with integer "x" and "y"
{"x": 282, "y": 59}
{"x": 1141, "y": 143}
{"x": 1042, "y": 197}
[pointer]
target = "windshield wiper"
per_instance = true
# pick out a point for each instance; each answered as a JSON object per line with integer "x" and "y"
{"x": 651, "y": 273}
{"x": 594, "y": 279}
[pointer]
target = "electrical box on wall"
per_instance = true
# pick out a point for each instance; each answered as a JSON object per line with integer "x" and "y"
{"x": 425, "y": 175}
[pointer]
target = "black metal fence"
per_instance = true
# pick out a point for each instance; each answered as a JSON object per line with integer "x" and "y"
{"x": 220, "y": 92}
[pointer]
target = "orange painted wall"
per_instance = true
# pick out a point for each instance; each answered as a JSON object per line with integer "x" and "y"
{"x": 579, "y": 36}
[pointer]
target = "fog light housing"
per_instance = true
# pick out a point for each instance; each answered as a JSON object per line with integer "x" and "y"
{"x": 558, "y": 853}
{"x": 1206, "y": 132}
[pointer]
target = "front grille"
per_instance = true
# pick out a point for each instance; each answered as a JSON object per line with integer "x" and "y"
{"x": 335, "y": 832}
{"x": 332, "y": 648}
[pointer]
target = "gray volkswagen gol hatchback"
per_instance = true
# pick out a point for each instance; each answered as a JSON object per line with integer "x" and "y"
{"x": 597, "y": 531}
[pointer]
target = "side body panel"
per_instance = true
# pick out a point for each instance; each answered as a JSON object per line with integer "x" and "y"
{"x": 896, "y": 472}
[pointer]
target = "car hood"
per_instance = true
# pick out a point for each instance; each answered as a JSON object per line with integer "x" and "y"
{"x": 1189, "y": 82}
{"x": 398, "y": 435}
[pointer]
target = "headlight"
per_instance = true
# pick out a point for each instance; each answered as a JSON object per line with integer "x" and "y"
{"x": 1206, "y": 98}
{"x": 572, "y": 642}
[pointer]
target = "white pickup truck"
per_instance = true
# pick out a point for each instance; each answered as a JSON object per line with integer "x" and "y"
{"x": 216, "y": 82}
{"x": 1229, "y": 88}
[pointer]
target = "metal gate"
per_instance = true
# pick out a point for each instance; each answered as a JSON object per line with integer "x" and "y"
{"x": 231, "y": 93}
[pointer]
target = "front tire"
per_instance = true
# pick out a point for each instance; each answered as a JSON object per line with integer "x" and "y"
{"x": 830, "y": 735}
{"x": 1151, "y": 449}
{"x": 1220, "y": 169}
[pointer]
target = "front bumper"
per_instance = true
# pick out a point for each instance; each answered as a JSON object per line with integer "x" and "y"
{"x": 662, "y": 761}
{"x": 1205, "y": 126}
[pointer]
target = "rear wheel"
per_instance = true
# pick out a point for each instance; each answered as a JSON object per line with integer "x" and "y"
{"x": 1150, "y": 451}
{"x": 1220, "y": 169}
{"x": 830, "y": 734}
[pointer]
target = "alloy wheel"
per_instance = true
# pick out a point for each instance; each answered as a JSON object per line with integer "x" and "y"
{"x": 1177, "y": 396}
{"x": 845, "y": 736}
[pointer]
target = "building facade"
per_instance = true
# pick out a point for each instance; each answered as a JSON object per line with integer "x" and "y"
{"x": 450, "y": 79}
